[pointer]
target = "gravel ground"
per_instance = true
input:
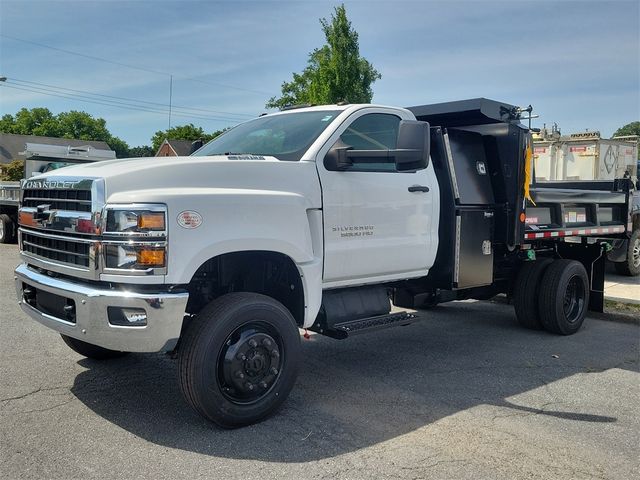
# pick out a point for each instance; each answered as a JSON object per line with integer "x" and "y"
{"x": 463, "y": 393}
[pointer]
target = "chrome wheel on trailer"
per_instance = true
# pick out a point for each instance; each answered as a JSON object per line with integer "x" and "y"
{"x": 6, "y": 229}
{"x": 631, "y": 264}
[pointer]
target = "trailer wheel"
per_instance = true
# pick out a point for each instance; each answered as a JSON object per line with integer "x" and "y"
{"x": 526, "y": 290}
{"x": 631, "y": 265}
{"x": 89, "y": 350}
{"x": 564, "y": 297}
{"x": 7, "y": 229}
{"x": 239, "y": 359}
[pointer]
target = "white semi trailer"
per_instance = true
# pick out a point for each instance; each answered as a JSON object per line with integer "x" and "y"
{"x": 583, "y": 156}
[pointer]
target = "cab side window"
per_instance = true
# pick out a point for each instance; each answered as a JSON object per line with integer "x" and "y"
{"x": 375, "y": 131}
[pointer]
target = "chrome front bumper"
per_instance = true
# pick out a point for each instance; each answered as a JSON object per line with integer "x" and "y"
{"x": 165, "y": 313}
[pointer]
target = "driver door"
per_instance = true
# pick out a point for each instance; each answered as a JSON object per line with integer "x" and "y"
{"x": 375, "y": 228}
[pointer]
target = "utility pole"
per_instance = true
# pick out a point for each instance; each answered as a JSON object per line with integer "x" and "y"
{"x": 170, "y": 97}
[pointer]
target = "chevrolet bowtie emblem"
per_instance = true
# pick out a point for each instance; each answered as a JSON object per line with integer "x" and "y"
{"x": 42, "y": 213}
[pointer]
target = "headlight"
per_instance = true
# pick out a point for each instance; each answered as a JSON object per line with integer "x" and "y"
{"x": 133, "y": 220}
{"x": 135, "y": 237}
{"x": 135, "y": 256}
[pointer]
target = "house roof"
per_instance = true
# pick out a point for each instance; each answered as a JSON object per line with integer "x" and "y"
{"x": 11, "y": 144}
{"x": 180, "y": 147}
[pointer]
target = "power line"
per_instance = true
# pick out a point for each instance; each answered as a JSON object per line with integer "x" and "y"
{"x": 125, "y": 106}
{"x": 100, "y": 59}
{"x": 115, "y": 103}
{"x": 91, "y": 57}
{"x": 127, "y": 99}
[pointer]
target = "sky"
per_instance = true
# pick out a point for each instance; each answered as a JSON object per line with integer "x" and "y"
{"x": 576, "y": 62}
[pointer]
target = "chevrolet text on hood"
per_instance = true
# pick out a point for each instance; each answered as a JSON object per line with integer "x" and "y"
{"x": 315, "y": 218}
{"x": 50, "y": 184}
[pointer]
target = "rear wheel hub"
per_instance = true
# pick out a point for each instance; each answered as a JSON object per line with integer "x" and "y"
{"x": 573, "y": 301}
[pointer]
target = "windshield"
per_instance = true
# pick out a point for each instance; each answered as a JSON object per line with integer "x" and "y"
{"x": 286, "y": 137}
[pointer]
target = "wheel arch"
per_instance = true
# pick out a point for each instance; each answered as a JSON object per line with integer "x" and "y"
{"x": 267, "y": 272}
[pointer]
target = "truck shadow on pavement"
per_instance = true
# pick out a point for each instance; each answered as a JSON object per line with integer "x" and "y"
{"x": 359, "y": 392}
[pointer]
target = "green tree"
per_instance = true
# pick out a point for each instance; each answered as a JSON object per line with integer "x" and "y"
{"x": 632, "y": 128}
{"x": 335, "y": 72}
{"x": 37, "y": 121}
{"x": 12, "y": 171}
{"x": 73, "y": 124}
{"x": 141, "y": 151}
{"x": 182, "y": 132}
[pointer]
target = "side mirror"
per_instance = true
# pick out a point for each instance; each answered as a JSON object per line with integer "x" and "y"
{"x": 337, "y": 158}
{"x": 413, "y": 146}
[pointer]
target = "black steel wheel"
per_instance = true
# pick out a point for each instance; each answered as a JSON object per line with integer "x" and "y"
{"x": 89, "y": 350}
{"x": 239, "y": 358}
{"x": 631, "y": 264}
{"x": 526, "y": 291}
{"x": 564, "y": 297}
{"x": 249, "y": 362}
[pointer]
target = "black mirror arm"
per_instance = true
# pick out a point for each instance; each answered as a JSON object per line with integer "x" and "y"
{"x": 338, "y": 157}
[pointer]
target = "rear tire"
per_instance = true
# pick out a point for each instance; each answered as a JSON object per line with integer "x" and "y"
{"x": 89, "y": 350}
{"x": 526, "y": 291}
{"x": 631, "y": 265}
{"x": 564, "y": 297}
{"x": 239, "y": 359}
{"x": 7, "y": 229}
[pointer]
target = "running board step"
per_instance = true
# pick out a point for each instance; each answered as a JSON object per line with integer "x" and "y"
{"x": 364, "y": 325}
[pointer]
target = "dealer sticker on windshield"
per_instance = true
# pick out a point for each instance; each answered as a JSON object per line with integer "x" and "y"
{"x": 189, "y": 219}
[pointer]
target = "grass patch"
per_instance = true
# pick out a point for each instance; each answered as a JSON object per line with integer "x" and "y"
{"x": 619, "y": 307}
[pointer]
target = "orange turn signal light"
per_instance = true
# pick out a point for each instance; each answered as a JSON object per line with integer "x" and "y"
{"x": 151, "y": 221}
{"x": 150, "y": 258}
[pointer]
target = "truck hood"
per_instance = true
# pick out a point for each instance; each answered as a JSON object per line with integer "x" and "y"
{"x": 127, "y": 180}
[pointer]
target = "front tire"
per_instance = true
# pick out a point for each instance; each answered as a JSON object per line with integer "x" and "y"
{"x": 89, "y": 350}
{"x": 631, "y": 265}
{"x": 239, "y": 359}
{"x": 564, "y": 297}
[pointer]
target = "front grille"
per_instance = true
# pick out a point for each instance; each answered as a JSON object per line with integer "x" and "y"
{"x": 58, "y": 199}
{"x": 65, "y": 251}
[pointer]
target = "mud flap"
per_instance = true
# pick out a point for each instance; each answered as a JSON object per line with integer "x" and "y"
{"x": 592, "y": 256}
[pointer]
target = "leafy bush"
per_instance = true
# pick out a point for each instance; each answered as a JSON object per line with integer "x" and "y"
{"x": 12, "y": 171}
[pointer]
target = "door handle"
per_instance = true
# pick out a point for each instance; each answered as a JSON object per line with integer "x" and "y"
{"x": 418, "y": 188}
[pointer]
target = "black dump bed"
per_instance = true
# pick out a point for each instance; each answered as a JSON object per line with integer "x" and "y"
{"x": 479, "y": 151}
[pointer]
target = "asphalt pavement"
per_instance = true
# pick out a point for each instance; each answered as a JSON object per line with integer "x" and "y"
{"x": 463, "y": 393}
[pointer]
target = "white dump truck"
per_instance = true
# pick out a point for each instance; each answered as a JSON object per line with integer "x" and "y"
{"x": 314, "y": 218}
